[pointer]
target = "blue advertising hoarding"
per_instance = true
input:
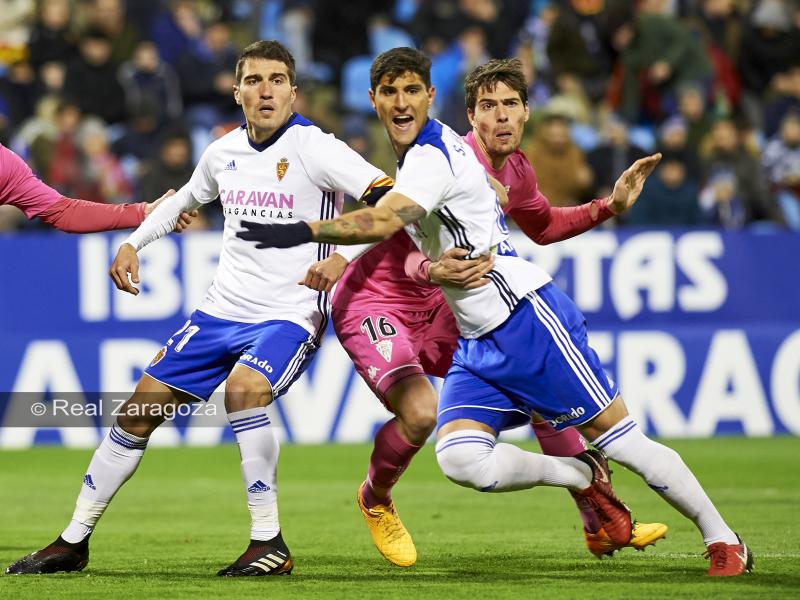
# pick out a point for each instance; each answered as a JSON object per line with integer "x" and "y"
{"x": 700, "y": 328}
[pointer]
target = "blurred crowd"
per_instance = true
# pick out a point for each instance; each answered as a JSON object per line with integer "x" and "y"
{"x": 114, "y": 100}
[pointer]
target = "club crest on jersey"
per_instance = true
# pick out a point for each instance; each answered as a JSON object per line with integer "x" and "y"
{"x": 281, "y": 167}
{"x": 384, "y": 347}
{"x": 159, "y": 355}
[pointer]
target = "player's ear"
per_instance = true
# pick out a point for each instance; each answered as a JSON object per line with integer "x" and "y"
{"x": 236, "y": 95}
{"x": 471, "y": 117}
{"x": 431, "y": 95}
{"x": 372, "y": 99}
{"x": 527, "y": 112}
{"x": 293, "y": 95}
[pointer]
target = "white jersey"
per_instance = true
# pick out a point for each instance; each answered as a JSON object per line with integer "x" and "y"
{"x": 441, "y": 173}
{"x": 299, "y": 174}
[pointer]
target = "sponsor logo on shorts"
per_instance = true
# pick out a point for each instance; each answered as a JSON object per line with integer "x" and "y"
{"x": 256, "y": 362}
{"x": 384, "y": 347}
{"x": 159, "y": 355}
{"x": 574, "y": 413}
{"x": 372, "y": 372}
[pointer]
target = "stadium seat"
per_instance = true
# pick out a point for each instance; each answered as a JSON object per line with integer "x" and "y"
{"x": 355, "y": 83}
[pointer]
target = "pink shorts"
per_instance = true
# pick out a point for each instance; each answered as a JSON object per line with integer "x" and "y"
{"x": 387, "y": 345}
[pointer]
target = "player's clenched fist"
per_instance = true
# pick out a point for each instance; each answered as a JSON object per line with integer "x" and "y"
{"x": 322, "y": 275}
{"x": 126, "y": 262}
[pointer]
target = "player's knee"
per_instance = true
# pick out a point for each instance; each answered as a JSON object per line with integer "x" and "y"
{"x": 467, "y": 465}
{"x": 245, "y": 391}
{"x": 419, "y": 423}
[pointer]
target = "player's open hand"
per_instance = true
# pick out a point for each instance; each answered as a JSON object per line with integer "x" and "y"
{"x": 126, "y": 262}
{"x": 322, "y": 275}
{"x": 275, "y": 235}
{"x": 453, "y": 270}
{"x": 630, "y": 183}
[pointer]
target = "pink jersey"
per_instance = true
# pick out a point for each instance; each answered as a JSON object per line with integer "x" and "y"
{"x": 394, "y": 273}
{"x": 21, "y": 188}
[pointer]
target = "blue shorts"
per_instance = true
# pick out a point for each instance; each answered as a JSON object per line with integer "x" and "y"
{"x": 538, "y": 360}
{"x": 202, "y": 353}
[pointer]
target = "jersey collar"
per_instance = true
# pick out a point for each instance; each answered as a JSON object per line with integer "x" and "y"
{"x": 294, "y": 119}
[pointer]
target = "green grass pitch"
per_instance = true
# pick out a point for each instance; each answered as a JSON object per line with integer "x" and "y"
{"x": 183, "y": 516}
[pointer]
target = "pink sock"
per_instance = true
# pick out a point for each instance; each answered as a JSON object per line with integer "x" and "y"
{"x": 390, "y": 457}
{"x": 567, "y": 442}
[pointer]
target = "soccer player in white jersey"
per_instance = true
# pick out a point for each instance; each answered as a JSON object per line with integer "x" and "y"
{"x": 523, "y": 343}
{"x": 256, "y": 327}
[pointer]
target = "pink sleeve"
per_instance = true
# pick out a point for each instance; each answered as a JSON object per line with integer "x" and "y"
{"x": 21, "y": 188}
{"x": 545, "y": 224}
{"x": 82, "y": 216}
{"x": 416, "y": 267}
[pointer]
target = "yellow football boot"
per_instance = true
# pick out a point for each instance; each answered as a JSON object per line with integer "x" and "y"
{"x": 644, "y": 534}
{"x": 388, "y": 532}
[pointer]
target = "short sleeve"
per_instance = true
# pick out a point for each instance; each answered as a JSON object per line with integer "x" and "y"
{"x": 425, "y": 177}
{"x": 203, "y": 185}
{"x": 333, "y": 165}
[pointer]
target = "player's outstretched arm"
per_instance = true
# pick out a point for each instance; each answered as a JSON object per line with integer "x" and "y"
{"x": 184, "y": 219}
{"x": 629, "y": 185}
{"x": 393, "y": 212}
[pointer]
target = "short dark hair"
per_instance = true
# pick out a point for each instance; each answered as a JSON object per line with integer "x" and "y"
{"x": 397, "y": 61}
{"x": 505, "y": 70}
{"x": 267, "y": 50}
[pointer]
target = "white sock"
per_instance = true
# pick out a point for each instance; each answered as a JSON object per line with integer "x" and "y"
{"x": 113, "y": 463}
{"x": 664, "y": 470}
{"x": 259, "y": 450}
{"x": 472, "y": 458}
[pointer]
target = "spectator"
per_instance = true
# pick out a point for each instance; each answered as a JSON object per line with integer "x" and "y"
{"x": 19, "y": 91}
{"x": 108, "y": 16}
{"x": 60, "y": 161}
{"x": 786, "y": 98}
{"x": 207, "y": 79}
{"x": 51, "y": 38}
{"x": 612, "y": 156}
{"x": 15, "y": 19}
{"x": 692, "y": 107}
{"x": 770, "y": 45}
{"x": 662, "y": 56}
{"x": 564, "y": 177}
{"x": 724, "y": 154}
{"x": 781, "y": 161}
{"x": 92, "y": 80}
{"x": 147, "y": 80}
{"x": 100, "y": 169}
{"x": 722, "y": 201}
{"x": 673, "y": 137}
{"x": 580, "y": 42}
{"x": 669, "y": 198}
{"x": 171, "y": 168}
{"x": 176, "y": 29}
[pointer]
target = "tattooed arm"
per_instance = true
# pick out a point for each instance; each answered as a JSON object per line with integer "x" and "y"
{"x": 393, "y": 212}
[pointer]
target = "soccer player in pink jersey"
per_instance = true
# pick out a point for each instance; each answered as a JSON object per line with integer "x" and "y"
{"x": 392, "y": 320}
{"x": 21, "y": 188}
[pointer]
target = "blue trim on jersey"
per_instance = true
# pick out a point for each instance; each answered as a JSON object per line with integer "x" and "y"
{"x": 430, "y": 135}
{"x": 294, "y": 119}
